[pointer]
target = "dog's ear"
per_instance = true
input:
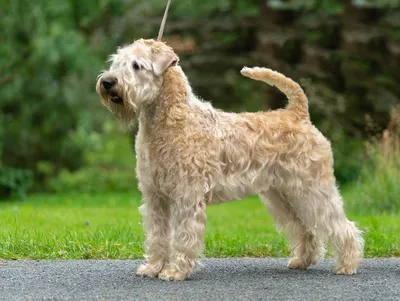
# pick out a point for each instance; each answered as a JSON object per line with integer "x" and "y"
{"x": 163, "y": 60}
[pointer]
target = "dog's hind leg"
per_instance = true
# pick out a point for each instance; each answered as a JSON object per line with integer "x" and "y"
{"x": 307, "y": 247}
{"x": 322, "y": 212}
{"x": 188, "y": 223}
{"x": 346, "y": 238}
{"x": 156, "y": 223}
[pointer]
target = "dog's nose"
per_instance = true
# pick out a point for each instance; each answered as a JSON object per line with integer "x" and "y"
{"x": 108, "y": 83}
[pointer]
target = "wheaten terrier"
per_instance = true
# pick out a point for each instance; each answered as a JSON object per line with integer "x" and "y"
{"x": 190, "y": 154}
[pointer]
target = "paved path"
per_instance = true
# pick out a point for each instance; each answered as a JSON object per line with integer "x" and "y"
{"x": 218, "y": 279}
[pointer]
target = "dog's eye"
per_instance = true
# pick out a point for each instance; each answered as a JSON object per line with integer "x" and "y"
{"x": 136, "y": 66}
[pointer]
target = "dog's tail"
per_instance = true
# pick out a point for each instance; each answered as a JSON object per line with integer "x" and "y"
{"x": 297, "y": 99}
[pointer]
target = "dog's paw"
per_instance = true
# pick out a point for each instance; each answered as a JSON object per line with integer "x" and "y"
{"x": 345, "y": 270}
{"x": 297, "y": 264}
{"x": 172, "y": 274}
{"x": 148, "y": 270}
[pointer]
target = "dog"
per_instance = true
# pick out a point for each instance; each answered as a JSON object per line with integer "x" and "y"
{"x": 190, "y": 154}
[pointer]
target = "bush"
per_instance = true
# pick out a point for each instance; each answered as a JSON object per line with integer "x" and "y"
{"x": 14, "y": 182}
{"x": 347, "y": 152}
{"x": 108, "y": 165}
{"x": 94, "y": 179}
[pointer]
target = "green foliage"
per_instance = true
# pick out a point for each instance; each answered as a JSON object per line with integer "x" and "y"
{"x": 93, "y": 179}
{"x": 14, "y": 182}
{"x": 49, "y": 62}
{"x": 199, "y": 8}
{"x": 377, "y": 3}
{"x": 330, "y": 6}
{"x": 348, "y": 155}
{"x": 48, "y": 81}
{"x": 324, "y": 6}
{"x": 108, "y": 165}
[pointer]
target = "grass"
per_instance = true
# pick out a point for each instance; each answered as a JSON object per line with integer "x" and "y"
{"x": 109, "y": 226}
{"x": 378, "y": 188}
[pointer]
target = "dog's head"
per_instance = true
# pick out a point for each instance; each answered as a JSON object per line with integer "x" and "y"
{"x": 135, "y": 77}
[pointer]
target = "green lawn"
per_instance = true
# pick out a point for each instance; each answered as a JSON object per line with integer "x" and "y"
{"x": 108, "y": 226}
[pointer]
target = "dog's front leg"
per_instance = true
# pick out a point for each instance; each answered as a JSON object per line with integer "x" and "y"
{"x": 188, "y": 220}
{"x": 156, "y": 222}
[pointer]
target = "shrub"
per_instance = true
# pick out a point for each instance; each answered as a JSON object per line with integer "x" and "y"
{"x": 94, "y": 179}
{"x": 109, "y": 165}
{"x": 347, "y": 152}
{"x": 14, "y": 182}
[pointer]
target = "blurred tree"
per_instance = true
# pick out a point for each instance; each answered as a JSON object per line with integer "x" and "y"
{"x": 47, "y": 80}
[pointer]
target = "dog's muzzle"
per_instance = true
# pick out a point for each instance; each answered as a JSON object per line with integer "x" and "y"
{"x": 108, "y": 84}
{"x": 116, "y": 99}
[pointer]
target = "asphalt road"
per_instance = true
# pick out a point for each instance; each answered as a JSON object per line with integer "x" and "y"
{"x": 218, "y": 279}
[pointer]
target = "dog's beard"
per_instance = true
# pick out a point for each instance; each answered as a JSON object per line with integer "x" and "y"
{"x": 123, "y": 108}
{"x": 125, "y": 115}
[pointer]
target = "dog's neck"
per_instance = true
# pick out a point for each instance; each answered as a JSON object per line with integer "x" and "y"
{"x": 172, "y": 104}
{"x": 175, "y": 88}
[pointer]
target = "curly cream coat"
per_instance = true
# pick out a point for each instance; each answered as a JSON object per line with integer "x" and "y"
{"x": 190, "y": 154}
